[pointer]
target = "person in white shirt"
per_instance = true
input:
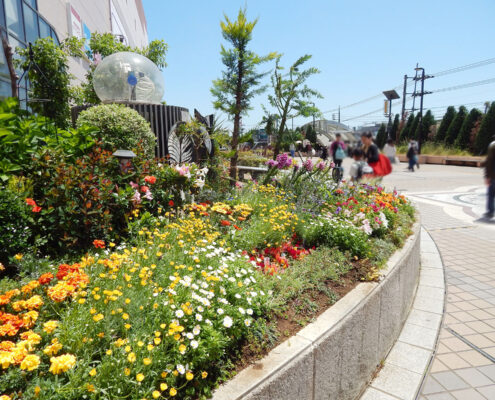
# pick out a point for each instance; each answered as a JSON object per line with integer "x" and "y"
{"x": 359, "y": 167}
{"x": 390, "y": 151}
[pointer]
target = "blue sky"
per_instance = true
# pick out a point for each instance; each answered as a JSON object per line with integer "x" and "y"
{"x": 361, "y": 48}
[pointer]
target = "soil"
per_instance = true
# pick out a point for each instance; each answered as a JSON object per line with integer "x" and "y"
{"x": 296, "y": 316}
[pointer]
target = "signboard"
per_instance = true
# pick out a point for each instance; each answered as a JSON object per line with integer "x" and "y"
{"x": 87, "y": 36}
{"x": 75, "y": 23}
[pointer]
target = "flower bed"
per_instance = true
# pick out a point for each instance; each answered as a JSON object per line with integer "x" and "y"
{"x": 165, "y": 315}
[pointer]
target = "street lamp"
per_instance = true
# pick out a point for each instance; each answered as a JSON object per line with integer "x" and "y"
{"x": 390, "y": 95}
{"x": 125, "y": 157}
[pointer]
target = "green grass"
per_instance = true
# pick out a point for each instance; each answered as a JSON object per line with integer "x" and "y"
{"x": 436, "y": 149}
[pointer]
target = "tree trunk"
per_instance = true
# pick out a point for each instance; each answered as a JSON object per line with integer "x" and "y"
{"x": 237, "y": 120}
{"x": 7, "y": 49}
{"x": 276, "y": 150}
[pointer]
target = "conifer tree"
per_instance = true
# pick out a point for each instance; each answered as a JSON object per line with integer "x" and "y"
{"x": 463, "y": 140}
{"x": 487, "y": 130}
{"x": 404, "y": 135}
{"x": 455, "y": 126}
{"x": 381, "y": 136}
{"x": 444, "y": 125}
{"x": 395, "y": 128}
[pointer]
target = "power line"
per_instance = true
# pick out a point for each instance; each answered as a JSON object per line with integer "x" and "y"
{"x": 466, "y": 85}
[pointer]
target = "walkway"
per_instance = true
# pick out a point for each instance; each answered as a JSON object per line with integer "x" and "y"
{"x": 450, "y": 201}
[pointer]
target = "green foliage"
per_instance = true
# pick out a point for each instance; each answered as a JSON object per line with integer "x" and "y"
{"x": 436, "y": 149}
{"x": 16, "y": 221}
{"x": 381, "y": 136}
{"x": 119, "y": 127}
{"x": 444, "y": 125}
{"x": 463, "y": 140}
{"x": 310, "y": 133}
{"x": 487, "y": 130}
{"x": 406, "y": 130}
{"x": 414, "y": 128}
{"x": 251, "y": 159}
{"x": 291, "y": 96}
{"x": 428, "y": 122}
{"x": 455, "y": 126}
{"x": 240, "y": 81}
{"x": 23, "y": 135}
{"x": 395, "y": 127}
{"x": 53, "y": 79}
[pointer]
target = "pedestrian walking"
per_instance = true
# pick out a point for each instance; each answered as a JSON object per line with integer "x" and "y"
{"x": 389, "y": 150}
{"x": 292, "y": 149}
{"x": 370, "y": 149}
{"x": 359, "y": 167}
{"x": 337, "y": 150}
{"x": 412, "y": 155}
{"x": 489, "y": 165}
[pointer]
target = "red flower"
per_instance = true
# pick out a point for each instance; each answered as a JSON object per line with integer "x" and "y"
{"x": 236, "y": 227}
{"x": 36, "y": 209}
{"x": 99, "y": 244}
{"x": 150, "y": 179}
{"x": 45, "y": 279}
{"x": 171, "y": 203}
{"x": 224, "y": 222}
{"x": 144, "y": 189}
{"x": 30, "y": 202}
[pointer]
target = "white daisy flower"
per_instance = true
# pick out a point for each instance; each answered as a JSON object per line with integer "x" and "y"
{"x": 179, "y": 313}
{"x": 247, "y": 322}
{"x": 220, "y": 311}
{"x": 180, "y": 369}
{"x": 227, "y": 321}
{"x": 249, "y": 311}
{"x": 194, "y": 344}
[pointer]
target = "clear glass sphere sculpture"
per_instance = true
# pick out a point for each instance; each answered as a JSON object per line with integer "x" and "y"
{"x": 127, "y": 77}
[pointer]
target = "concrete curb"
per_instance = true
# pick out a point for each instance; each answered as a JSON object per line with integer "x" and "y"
{"x": 408, "y": 361}
{"x": 335, "y": 357}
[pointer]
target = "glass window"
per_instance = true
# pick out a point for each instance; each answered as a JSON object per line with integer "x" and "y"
{"x": 15, "y": 43}
{"x": 2, "y": 15}
{"x": 44, "y": 29}
{"x": 32, "y": 3}
{"x": 13, "y": 15}
{"x": 55, "y": 37}
{"x": 4, "y": 69}
{"x": 31, "y": 24}
{"x": 5, "y": 89}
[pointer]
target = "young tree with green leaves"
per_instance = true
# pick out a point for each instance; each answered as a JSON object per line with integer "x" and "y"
{"x": 487, "y": 130}
{"x": 240, "y": 81}
{"x": 444, "y": 125}
{"x": 414, "y": 128}
{"x": 381, "y": 136}
{"x": 455, "y": 126}
{"x": 463, "y": 140}
{"x": 291, "y": 96}
{"x": 404, "y": 134}
{"x": 310, "y": 134}
{"x": 428, "y": 122}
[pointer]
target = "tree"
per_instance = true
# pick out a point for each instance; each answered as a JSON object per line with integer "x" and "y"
{"x": 291, "y": 96}
{"x": 395, "y": 127}
{"x": 50, "y": 78}
{"x": 414, "y": 128}
{"x": 487, "y": 129}
{"x": 428, "y": 122}
{"x": 240, "y": 81}
{"x": 404, "y": 134}
{"x": 381, "y": 136}
{"x": 311, "y": 134}
{"x": 444, "y": 125}
{"x": 463, "y": 140}
{"x": 455, "y": 126}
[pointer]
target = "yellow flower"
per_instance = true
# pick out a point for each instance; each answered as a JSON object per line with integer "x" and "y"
{"x": 62, "y": 363}
{"x": 109, "y": 352}
{"x": 127, "y": 371}
{"x": 50, "y": 326}
{"x": 5, "y": 397}
{"x": 98, "y": 317}
{"x": 163, "y": 386}
{"x": 90, "y": 387}
{"x": 164, "y": 374}
{"x": 173, "y": 392}
{"x": 156, "y": 394}
{"x": 92, "y": 372}
{"x": 131, "y": 357}
{"x": 18, "y": 257}
{"x": 30, "y": 362}
{"x": 37, "y": 391}
{"x": 204, "y": 374}
{"x": 139, "y": 377}
{"x": 189, "y": 375}
{"x": 146, "y": 361}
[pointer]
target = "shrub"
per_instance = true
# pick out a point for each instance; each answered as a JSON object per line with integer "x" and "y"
{"x": 120, "y": 127}
{"x": 15, "y": 220}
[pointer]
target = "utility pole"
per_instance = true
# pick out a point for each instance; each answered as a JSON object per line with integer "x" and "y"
{"x": 339, "y": 114}
{"x": 403, "y": 115}
{"x": 422, "y": 93}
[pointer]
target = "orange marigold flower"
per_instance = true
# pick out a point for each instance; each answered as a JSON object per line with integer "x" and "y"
{"x": 30, "y": 202}
{"x": 224, "y": 222}
{"x": 236, "y": 227}
{"x": 99, "y": 244}
{"x": 29, "y": 287}
{"x": 45, "y": 279}
{"x": 150, "y": 179}
{"x": 60, "y": 291}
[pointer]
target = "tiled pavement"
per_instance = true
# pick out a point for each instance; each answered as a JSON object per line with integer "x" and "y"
{"x": 463, "y": 367}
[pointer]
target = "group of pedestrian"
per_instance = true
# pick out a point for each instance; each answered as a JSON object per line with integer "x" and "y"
{"x": 412, "y": 155}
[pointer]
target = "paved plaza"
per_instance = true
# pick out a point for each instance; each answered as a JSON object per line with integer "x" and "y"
{"x": 450, "y": 201}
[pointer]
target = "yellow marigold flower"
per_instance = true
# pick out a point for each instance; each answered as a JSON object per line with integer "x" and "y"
{"x": 98, "y": 317}
{"x": 30, "y": 318}
{"x": 18, "y": 257}
{"x": 131, "y": 357}
{"x": 147, "y": 361}
{"x": 50, "y": 326}
{"x": 37, "y": 391}
{"x": 139, "y": 377}
{"x": 163, "y": 386}
{"x": 54, "y": 348}
{"x": 189, "y": 375}
{"x": 92, "y": 372}
{"x": 173, "y": 392}
{"x": 204, "y": 374}
{"x": 34, "y": 302}
{"x": 30, "y": 362}
{"x": 164, "y": 374}
{"x": 90, "y": 387}
{"x": 62, "y": 363}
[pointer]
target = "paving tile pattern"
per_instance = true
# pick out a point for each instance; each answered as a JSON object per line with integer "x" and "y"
{"x": 459, "y": 372}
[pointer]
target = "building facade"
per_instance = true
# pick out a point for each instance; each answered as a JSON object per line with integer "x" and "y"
{"x": 24, "y": 21}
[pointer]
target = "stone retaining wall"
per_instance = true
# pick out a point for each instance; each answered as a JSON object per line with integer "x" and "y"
{"x": 335, "y": 357}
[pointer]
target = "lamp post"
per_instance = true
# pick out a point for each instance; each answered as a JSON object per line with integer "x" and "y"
{"x": 390, "y": 95}
{"x": 125, "y": 157}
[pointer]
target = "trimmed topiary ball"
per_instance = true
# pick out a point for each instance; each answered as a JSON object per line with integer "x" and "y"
{"x": 120, "y": 127}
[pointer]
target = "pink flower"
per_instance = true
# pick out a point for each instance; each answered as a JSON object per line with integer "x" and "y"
{"x": 136, "y": 199}
{"x": 134, "y": 185}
